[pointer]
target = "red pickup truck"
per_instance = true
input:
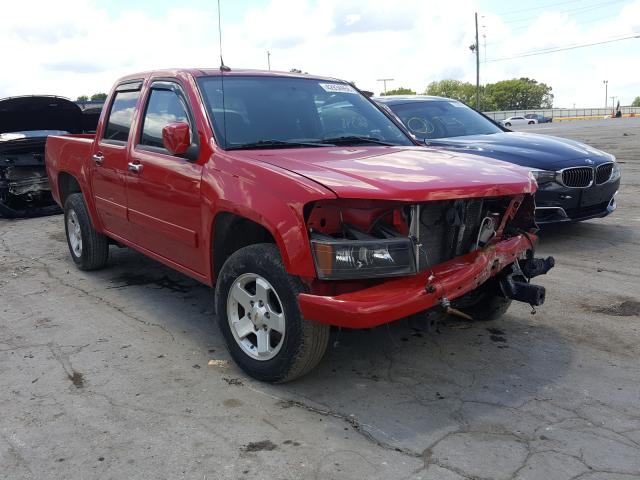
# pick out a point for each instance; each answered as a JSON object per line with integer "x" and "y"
{"x": 301, "y": 201}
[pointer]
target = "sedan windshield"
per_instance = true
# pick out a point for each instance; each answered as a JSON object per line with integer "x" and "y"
{"x": 433, "y": 119}
{"x": 283, "y": 112}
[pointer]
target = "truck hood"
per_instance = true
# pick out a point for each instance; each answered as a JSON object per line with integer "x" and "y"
{"x": 399, "y": 173}
{"x": 23, "y": 114}
{"x": 529, "y": 150}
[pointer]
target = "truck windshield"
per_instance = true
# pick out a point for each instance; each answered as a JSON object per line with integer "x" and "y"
{"x": 282, "y": 112}
{"x": 433, "y": 119}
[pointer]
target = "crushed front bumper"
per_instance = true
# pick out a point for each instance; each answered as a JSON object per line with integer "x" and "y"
{"x": 400, "y": 297}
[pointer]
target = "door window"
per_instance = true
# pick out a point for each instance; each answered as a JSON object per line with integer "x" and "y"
{"x": 121, "y": 116}
{"x": 164, "y": 107}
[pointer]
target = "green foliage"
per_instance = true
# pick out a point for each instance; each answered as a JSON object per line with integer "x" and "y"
{"x": 98, "y": 97}
{"x": 516, "y": 94}
{"x": 636, "y": 102}
{"x": 399, "y": 91}
{"x": 519, "y": 94}
{"x": 82, "y": 98}
{"x": 463, "y": 91}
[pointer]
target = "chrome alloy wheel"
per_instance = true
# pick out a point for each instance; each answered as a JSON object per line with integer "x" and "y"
{"x": 73, "y": 233}
{"x": 256, "y": 316}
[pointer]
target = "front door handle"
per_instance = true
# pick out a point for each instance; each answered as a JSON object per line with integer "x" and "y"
{"x": 98, "y": 158}
{"x": 135, "y": 167}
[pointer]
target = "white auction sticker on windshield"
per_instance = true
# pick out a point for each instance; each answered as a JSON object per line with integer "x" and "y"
{"x": 337, "y": 88}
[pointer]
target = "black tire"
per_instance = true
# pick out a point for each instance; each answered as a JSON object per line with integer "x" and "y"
{"x": 94, "y": 249}
{"x": 508, "y": 124}
{"x": 531, "y": 123}
{"x": 304, "y": 341}
{"x": 486, "y": 303}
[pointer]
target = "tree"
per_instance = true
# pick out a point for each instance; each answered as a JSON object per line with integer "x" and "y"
{"x": 399, "y": 91}
{"x": 82, "y": 98}
{"x": 97, "y": 97}
{"x": 636, "y": 102}
{"x": 519, "y": 94}
{"x": 463, "y": 91}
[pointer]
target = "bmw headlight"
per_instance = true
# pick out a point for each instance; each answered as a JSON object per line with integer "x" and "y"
{"x": 543, "y": 176}
{"x": 341, "y": 259}
{"x": 615, "y": 171}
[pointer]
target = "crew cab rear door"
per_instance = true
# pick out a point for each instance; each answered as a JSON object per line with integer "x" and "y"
{"x": 109, "y": 160}
{"x": 164, "y": 189}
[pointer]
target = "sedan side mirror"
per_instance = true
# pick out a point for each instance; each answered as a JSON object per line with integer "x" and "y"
{"x": 176, "y": 137}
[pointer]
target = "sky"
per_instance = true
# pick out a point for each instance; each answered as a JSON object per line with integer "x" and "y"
{"x": 71, "y": 48}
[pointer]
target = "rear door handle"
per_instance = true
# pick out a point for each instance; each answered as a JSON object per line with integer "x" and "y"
{"x": 98, "y": 158}
{"x": 135, "y": 167}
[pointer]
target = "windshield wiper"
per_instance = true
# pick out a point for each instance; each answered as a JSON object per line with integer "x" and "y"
{"x": 273, "y": 144}
{"x": 354, "y": 139}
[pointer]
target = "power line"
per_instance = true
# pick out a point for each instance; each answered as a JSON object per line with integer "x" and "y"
{"x": 555, "y": 4}
{"x": 560, "y": 49}
{"x": 575, "y": 11}
{"x": 577, "y": 24}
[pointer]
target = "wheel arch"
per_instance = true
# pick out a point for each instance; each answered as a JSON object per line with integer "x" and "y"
{"x": 68, "y": 184}
{"x": 231, "y": 231}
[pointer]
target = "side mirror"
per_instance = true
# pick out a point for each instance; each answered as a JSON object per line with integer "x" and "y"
{"x": 176, "y": 137}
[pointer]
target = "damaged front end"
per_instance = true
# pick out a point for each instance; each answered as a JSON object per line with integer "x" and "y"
{"x": 389, "y": 260}
{"x": 24, "y": 186}
{"x": 25, "y": 124}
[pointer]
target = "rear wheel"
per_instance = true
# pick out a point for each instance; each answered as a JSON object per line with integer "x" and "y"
{"x": 89, "y": 249}
{"x": 259, "y": 316}
{"x": 531, "y": 123}
{"x": 485, "y": 303}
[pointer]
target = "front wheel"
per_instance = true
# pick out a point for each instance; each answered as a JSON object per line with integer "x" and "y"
{"x": 89, "y": 249}
{"x": 507, "y": 124}
{"x": 259, "y": 316}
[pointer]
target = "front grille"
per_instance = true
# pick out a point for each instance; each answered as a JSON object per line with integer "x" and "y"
{"x": 449, "y": 229}
{"x": 603, "y": 172}
{"x": 577, "y": 177}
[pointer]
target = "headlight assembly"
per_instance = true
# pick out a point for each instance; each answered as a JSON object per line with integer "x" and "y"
{"x": 338, "y": 259}
{"x": 543, "y": 176}
{"x": 615, "y": 171}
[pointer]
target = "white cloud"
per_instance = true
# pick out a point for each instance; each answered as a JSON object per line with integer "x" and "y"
{"x": 74, "y": 48}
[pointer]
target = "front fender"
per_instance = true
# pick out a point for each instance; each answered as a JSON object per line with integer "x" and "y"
{"x": 267, "y": 195}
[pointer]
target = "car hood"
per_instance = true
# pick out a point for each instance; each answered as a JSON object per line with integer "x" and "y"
{"x": 22, "y": 114}
{"x": 399, "y": 173}
{"x": 529, "y": 150}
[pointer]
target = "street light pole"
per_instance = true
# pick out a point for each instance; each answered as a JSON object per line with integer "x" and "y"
{"x": 606, "y": 93}
{"x": 384, "y": 82}
{"x": 477, "y": 67}
{"x": 269, "y": 59}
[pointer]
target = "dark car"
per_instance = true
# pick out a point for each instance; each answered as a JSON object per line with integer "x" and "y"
{"x": 539, "y": 118}
{"x": 575, "y": 181}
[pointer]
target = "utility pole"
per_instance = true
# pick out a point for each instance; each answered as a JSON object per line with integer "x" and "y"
{"x": 476, "y": 48}
{"x": 606, "y": 93}
{"x": 269, "y": 59}
{"x": 384, "y": 81}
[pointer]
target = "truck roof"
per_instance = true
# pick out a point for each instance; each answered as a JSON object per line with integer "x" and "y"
{"x": 202, "y": 72}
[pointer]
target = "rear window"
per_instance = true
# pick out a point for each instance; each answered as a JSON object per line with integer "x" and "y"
{"x": 121, "y": 116}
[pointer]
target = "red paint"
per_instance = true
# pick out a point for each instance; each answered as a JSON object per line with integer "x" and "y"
{"x": 167, "y": 209}
{"x": 176, "y": 138}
